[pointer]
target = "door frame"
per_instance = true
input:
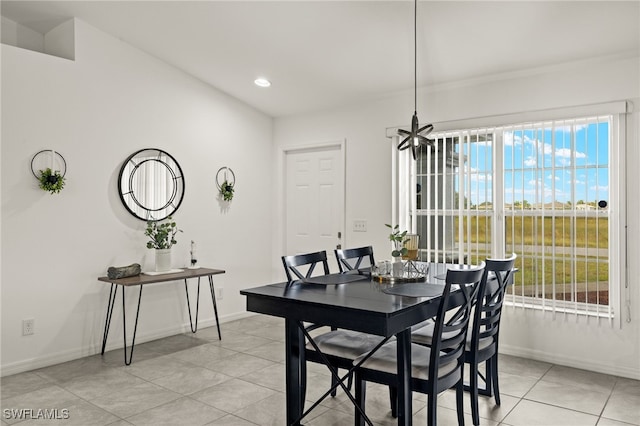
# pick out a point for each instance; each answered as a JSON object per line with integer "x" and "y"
{"x": 286, "y": 150}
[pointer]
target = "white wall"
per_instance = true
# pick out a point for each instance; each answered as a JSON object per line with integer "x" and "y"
{"x": 97, "y": 110}
{"x": 368, "y": 187}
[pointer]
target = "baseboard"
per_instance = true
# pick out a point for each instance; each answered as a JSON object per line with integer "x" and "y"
{"x": 581, "y": 363}
{"x": 95, "y": 348}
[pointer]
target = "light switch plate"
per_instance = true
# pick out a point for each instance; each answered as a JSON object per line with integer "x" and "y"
{"x": 359, "y": 225}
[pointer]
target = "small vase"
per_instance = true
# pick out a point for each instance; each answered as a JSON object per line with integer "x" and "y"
{"x": 397, "y": 267}
{"x": 163, "y": 260}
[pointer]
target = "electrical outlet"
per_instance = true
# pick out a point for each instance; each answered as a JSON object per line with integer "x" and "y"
{"x": 220, "y": 293}
{"x": 28, "y": 327}
{"x": 360, "y": 225}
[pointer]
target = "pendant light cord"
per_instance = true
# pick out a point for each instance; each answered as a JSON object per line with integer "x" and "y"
{"x": 415, "y": 56}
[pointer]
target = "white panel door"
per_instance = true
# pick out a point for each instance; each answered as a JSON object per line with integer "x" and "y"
{"x": 314, "y": 200}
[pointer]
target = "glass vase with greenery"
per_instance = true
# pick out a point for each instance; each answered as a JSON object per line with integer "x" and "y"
{"x": 398, "y": 239}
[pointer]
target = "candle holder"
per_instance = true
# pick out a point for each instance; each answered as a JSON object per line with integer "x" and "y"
{"x": 194, "y": 257}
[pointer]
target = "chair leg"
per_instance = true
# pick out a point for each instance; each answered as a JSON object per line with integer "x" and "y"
{"x": 334, "y": 383}
{"x": 361, "y": 397}
{"x": 473, "y": 391}
{"x": 488, "y": 378}
{"x": 393, "y": 401}
{"x": 432, "y": 406}
{"x": 494, "y": 378}
{"x": 303, "y": 382}
{"x": 460, "y": 404}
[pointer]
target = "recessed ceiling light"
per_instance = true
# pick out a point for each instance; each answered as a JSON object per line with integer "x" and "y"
{"x": 262, "y": 82}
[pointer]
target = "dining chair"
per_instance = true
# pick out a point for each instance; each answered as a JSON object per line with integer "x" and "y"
{"x": 435, "y": 368}
{"x": 293, "y": 265}
{"x": 338, "y": 347}
{"x": 482, "y": 337}
{"x": 482, "y": 342}
{"x": 351, "y": 259}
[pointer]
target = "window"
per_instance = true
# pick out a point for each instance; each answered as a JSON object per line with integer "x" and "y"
{"x": 546, "y": 190}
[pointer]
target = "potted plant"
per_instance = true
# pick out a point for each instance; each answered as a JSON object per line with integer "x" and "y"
{"x": 162, "y": 238}
{"x": 397, "y": 239}
{"x": 51, "y": 181}
{"x": 226, "y": 190}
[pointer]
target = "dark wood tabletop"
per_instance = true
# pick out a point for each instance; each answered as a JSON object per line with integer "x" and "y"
{"x": 360, "y": 305}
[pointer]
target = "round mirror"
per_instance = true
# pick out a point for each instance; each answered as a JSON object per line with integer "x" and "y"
{"x": 151, "y": 184}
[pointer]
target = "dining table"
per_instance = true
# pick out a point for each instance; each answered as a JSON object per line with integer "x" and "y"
{"x": 352, "y": 301}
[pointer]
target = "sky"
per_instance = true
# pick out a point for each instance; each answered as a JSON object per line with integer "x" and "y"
{"x": 543, "y": 163}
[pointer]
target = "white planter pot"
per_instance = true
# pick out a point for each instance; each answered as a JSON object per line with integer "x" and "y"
{"x": 163, "y": 260}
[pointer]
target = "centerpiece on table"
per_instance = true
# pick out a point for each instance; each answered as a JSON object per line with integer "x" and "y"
{"x": 404, "y": 267}
{"x": 162, "y": 238}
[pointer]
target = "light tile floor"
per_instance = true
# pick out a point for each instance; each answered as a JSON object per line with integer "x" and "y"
{"x": 195, "y": 379}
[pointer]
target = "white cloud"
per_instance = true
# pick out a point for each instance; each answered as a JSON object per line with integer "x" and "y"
{"x": 566, "y": 152}
{"x": 482, "y": 177}
{"x": 510, "y": 139}
{"x": 547, "y": 149}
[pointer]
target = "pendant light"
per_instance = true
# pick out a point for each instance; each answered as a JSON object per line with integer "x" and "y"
{"x": 414, "y": 138}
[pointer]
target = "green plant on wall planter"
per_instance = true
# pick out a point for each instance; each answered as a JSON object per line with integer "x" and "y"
{"x": 51, "y": 181}
{"x": 226, "y": 189}
{"x": 162, "y": 234}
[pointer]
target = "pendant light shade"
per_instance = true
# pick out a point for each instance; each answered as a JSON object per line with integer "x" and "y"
{"x": 417, "y": 136}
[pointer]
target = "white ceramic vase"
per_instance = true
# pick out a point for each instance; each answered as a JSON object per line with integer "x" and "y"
{"x": 163, "y": 260}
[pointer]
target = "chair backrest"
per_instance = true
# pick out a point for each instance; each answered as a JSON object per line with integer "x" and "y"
{"x": 350, "y": 259}
{"x": 293, "y": 264}
{"x": 451, "y": 325}
{"x": 486, "y": 321}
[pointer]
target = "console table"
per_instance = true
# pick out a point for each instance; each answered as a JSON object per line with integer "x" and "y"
{"x": 144, "y": 279}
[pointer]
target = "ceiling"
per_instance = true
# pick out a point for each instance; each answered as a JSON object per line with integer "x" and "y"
{"x": 322, "y": 54}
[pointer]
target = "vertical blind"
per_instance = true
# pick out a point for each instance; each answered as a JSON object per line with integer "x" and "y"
{"x": 543, "y": 190}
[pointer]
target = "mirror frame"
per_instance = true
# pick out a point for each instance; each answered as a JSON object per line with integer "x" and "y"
{"x": 127, "y": 192}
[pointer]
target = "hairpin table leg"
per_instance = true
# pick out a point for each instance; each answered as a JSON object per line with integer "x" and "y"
{"x": 193, "y": 329}
{"x": 107, "y": 322}
{"x": 124, "y": 328}
{"x": 215, "y": 305}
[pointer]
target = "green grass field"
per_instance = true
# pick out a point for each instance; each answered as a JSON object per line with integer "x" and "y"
{"x": 534, "y": 270}
{"x": 589, "y": 232}
{"x": 524, "y": 234}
